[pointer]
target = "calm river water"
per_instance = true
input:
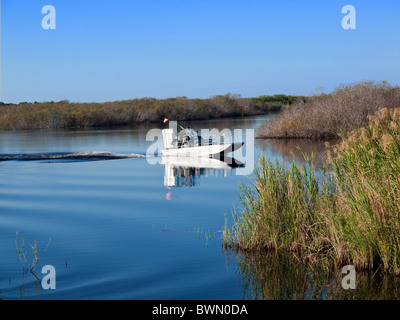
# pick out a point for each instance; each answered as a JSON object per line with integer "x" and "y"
{"x": 115, "y": 228}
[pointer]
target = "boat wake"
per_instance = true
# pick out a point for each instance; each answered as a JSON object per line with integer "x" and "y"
{"x": 68, "y": 156}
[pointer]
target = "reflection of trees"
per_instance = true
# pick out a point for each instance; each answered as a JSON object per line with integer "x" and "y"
{"x": 268, "y": 276}
{"x": 287, "y": 148}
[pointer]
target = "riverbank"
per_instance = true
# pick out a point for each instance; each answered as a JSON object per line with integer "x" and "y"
{"x": 65, "y": 114}
{"x": 348, "y": 215}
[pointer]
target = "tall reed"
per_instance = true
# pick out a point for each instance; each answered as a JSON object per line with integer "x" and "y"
{"x": 350, "y": 214}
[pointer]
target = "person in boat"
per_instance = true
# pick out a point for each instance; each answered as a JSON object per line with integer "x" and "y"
{"x": 190, "y": 135}
{"x": 190, "y": 132}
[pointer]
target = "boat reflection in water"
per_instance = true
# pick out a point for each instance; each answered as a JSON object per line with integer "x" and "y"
{"x": 186, "y": 172}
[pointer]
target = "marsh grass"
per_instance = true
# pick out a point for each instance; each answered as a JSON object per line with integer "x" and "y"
{"x": 326, "y": 116}
{"x": 37, "y": 253}
{"x": 22, "y": 253}
{"x": 20, "y": 248}
{"x": 349, "y": 214}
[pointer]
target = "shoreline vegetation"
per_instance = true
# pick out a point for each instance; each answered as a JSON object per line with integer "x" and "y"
{"x": 327, "y": 116}
{"x": 65, "y": 114}
{"x": 346, "y": 214}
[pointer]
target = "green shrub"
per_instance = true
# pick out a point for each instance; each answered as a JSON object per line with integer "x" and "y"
{"x": 325, "y": 116}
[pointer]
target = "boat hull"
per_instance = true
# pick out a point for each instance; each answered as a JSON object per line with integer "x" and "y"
{"x": 206, "y": 163}
{"x": 203, "y": 151}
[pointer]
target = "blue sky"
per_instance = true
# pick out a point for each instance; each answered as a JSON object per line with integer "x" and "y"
{"x": 103, "y": 50}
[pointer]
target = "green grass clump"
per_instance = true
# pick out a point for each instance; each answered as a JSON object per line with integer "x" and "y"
{"x": 350, "y": 214}
{"x": 22, "y": 253}
{"x": 280, "y": 210}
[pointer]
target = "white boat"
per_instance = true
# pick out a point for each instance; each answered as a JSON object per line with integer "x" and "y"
{"x": 204, "y": 163}
{"x": 183, "y": 145}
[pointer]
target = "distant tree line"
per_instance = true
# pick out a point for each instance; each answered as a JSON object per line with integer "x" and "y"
{"x": 277, "y": 101}
{"x": 66, "y": 114}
